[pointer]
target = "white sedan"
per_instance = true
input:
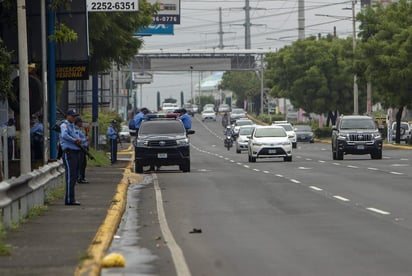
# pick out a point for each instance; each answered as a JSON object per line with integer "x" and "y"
{"x": 269, "y": 142}
{"x": 208, "y": 114}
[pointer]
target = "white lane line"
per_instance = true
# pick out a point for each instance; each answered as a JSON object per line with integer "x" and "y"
{"x": 341, "y": 198}
{"x": 396, "y": 173}
{"x": 404, "y": 159}
{"x": 233, "y": 161}
{"x": 308, "y": 159}
{"x": 315, "y": 188}
{"x": 399, "y": 165}
{"x": 238, "y": 163}
{"x": 246, "y": 166}
{"x": 304, "y": 168}
{"x": 378, "y": 211}
{"x": 256, "y": 170}
{"x": 353, "y": 167}
{"x": 278, "y": 175}
{"x": 373, "y": 169}
{"x": 322, "y": 161}
{"x": 295, "y": 181}
{"x": 182, "y": 269}
{"x": 226, "y": 158}
{"x": 266, "y": 172}
{"x": 336, "y": 164}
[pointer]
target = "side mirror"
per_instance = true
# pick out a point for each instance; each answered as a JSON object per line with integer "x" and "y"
{"x": 249, "y": 136}
{"x": 190, "y": 132}
{"x": 334, "y": 128}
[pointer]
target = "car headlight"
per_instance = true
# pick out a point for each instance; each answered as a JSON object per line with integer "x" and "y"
{"x": 257, "y": 143}
{"x": 343, "y": 136}
{"x": 285, "y": 143}
{"x": 141, "y": 143}
{"x": 181, "y": 142}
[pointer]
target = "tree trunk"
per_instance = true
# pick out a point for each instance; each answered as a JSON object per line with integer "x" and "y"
{"x": 398, "y": 125}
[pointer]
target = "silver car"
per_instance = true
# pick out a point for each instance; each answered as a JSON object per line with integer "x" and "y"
{"x": 242, "y": 139}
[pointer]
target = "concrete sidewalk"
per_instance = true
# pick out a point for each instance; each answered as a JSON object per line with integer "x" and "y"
{"x": 58, "y": 241}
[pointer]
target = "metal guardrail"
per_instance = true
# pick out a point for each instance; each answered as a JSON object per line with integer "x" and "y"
{"x": 19, "y": 195}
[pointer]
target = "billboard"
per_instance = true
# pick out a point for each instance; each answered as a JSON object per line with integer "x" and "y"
{"x": 156, "y": 29}
{"x": 169, "y": 12}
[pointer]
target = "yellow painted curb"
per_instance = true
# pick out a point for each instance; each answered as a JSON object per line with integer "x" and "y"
{"x": 103, "y": 238}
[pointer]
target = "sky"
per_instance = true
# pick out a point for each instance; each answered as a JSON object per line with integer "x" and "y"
{"x": 274, "y": 25}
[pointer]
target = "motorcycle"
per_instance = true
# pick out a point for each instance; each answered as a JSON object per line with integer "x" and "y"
{"x": 228, "y": 142}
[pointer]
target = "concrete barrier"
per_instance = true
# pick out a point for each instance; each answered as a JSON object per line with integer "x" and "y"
{"x": 18, "y": 195}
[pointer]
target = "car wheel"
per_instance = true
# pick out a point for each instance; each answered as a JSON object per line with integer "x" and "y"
{"x": 294, "y": 145}
{"x": 376, "y": 155}
{"x": 252, "y": 159}
{"x": 185, "y": 167}
{"x": 339, "y": 155}
{"x": 334, "y": 155}
{"x": 138, "y": 168}
{"x": 287, "y": 158}
{"x": 238, "y": 151}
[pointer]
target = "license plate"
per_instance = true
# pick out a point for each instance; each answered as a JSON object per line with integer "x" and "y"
{"x": 162, "y": 155}
{"x": 360, "y": 147}
{"x": 272, "y": 151}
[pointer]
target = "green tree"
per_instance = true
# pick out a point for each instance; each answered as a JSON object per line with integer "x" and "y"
{"x": 112, "y": 36}
{"x": 245, "y": 85}
{"x": 316, "y": 75}
{"x": 386, "y": 52}
{"x": 5, "y": 73}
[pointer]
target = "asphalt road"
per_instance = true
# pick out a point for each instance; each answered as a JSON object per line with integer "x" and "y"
{"x": 311, "y": 216}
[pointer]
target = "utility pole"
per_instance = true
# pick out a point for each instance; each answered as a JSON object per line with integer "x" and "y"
{"x": 25, "y": 159}
{"x": 301, "y": 19}
{"x": 355, "y": 84}
{"x": 220, "y": 46}
{"x": 247, "y": 25}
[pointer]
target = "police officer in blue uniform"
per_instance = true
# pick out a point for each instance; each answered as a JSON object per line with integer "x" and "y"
{"x": 69, "y": 142}
{"x": 139, "y": 118}
{"x": 81, "y": 176}
{"x": 113, "y": 135}
{"x": 185, "y": 118}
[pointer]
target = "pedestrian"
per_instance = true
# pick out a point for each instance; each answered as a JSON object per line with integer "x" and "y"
{"x": 81, "y": 176}
{"x": 113, "y": 136}
{"x": 70, "y": 142}
{"x": 139, "y": 118}
{"x": 185, "y": 118}
{"x": 36, "y": 138}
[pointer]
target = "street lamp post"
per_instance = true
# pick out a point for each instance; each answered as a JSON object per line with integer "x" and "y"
{"x": 191, "y": 84}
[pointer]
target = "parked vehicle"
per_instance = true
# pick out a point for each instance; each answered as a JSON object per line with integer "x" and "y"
{"x": 189, "y": 109}
{"x": 124, "y": 134}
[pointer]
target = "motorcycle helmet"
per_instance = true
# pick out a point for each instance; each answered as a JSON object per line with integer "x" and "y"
{"x": 228, "y": 127}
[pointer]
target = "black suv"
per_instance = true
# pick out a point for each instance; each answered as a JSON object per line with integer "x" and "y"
{"x": 356, "y": 135}
{"x": 162, "y": 142}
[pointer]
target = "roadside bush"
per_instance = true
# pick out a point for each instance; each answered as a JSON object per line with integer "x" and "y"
{"x": 324, "y": 132}
{"x": 270, "y": 118}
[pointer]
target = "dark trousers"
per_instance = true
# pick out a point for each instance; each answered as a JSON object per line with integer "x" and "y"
{"x": 71, "y": 165}
{"x": 113, "y": 150}
{"x": 82, "y": 166}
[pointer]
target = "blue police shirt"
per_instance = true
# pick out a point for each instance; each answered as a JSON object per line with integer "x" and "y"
{"x": 187, "y": 122}
{"x": 138, "y": 119}
{"x": 81, "y": 135}
{"x": 111, "y": 132}
{"x": 68, "y": 136}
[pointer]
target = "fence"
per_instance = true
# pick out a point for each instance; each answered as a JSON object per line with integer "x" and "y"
{"x": 19, "y": 195}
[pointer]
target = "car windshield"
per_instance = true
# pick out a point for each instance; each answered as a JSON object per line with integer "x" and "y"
{"x": 238, "y": 111}
{"x": 357, "y": 124}
{"x": 270, "y": 132}
{"x": 208, "y": 111}
{"x": 287, "y": 127}
{"x": 303, "y": 128}
{"x": 244, "y": 123}
{"x": 161, "y": 127}
{"x": 403, "y": 125}
{"x": 246, "y": 130}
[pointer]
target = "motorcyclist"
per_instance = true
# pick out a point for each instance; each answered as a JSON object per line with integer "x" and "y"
{"x": 225, "y": 120}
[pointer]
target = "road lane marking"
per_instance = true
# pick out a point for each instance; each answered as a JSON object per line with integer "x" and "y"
{"x": 353, "y": 167}
{"x": 246, "y": 166}
{"x": 322, "y": 161}
{"x": 399, "y": 165}
{"x": 396, "y": 173}
{"x": 182, "y": 269}
{"x": 266, "y": 172}
{"x": 315, "y": 188}
{"x": 336, "y": 164}
{"x": 256, "y": 170}
{"x": 373, "y": 169}
{"x": 341, "y": 198}
{"x": 308, "y": 159}
{"x": 378, "y": 211}
{"x": 295, "y": 181}
{"x": 240, "y": 164}
{"x": 278, "y": 175}
{"x": 304, "y": 168}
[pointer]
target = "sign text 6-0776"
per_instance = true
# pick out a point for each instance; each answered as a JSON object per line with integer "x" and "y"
{"x": 108, "y": 6}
